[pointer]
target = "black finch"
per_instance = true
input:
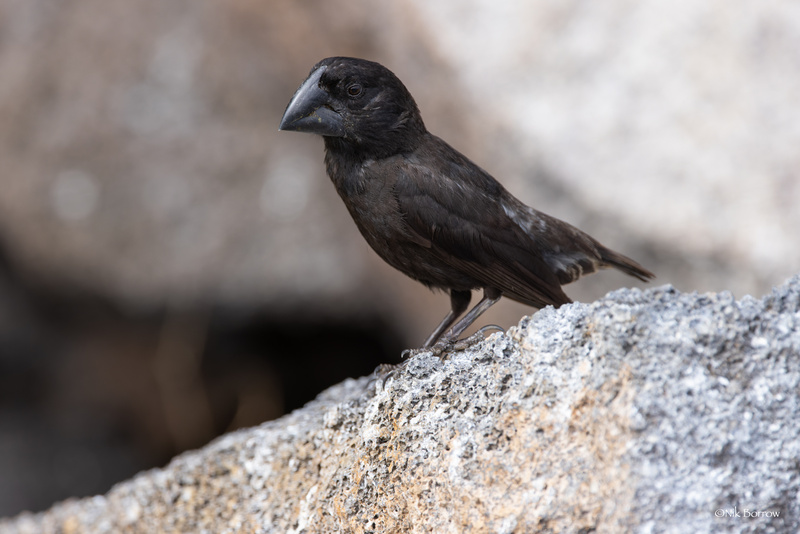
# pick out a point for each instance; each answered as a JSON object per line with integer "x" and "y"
{"x": 426, "y": 209}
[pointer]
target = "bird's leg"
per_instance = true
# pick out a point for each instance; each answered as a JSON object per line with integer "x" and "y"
{"x": 459, "y": 300}
{"x": 490, "y": 296}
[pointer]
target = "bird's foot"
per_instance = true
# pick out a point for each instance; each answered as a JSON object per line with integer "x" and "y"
{"x": 443, "y": 347}
{"x": 386, "y": 370}
{"x": 437, "y": 350}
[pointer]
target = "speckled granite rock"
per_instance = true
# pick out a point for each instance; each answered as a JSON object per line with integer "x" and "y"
{"x": 650, "y": 411}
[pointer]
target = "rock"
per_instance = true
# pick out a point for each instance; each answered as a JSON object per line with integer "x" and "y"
{"x": 649, "y": 411}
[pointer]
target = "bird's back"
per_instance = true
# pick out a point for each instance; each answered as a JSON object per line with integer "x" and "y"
{"x": 441, "y": 219}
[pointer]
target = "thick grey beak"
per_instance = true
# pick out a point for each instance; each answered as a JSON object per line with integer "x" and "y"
{"x": 309, "y": 110}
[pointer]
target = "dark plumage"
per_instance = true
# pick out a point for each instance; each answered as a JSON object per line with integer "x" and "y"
{"x": 429, "y": 211}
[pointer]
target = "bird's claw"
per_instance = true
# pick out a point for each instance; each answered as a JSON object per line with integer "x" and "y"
{"x": 384, "y": 372}
{"x": 443, "y": 348}
{"x": 467, "y": 342}
{"x": 489, "y": 327}
{"x": 407, "y": 354}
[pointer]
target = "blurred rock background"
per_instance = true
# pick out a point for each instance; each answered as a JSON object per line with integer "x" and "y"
{"x": 172, "y": 267}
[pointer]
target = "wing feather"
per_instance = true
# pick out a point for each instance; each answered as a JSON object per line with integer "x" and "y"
{"x": 456, "y": 206}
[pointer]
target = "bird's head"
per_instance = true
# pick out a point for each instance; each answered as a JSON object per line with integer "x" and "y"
{"x": 358, "y": 106}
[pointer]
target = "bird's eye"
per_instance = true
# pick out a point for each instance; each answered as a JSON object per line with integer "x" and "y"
{"x": 354, "y": 89}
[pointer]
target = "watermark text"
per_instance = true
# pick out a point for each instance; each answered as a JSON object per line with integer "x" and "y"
{"x": 745, "y": 513}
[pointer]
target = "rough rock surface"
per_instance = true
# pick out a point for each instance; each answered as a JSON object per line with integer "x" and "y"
{"x": 646, "y": 411}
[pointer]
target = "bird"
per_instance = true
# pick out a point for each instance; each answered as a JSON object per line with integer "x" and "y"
{"x": 429, "y": 211}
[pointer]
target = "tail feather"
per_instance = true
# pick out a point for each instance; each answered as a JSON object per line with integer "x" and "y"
{"x": 625, "y": 264}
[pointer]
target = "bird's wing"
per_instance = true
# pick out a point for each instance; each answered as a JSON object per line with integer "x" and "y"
{"x": 457, "y": 207}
